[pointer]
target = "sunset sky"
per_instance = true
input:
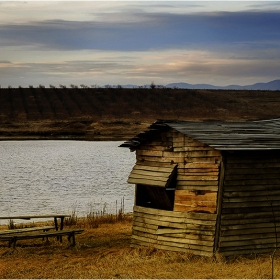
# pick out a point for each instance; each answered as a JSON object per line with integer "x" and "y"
{"x": 138, "y": 42}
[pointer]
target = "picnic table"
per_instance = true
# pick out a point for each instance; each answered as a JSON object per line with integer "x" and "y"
{"x": 29, "y": 217}
{"x": 12, "y": 235}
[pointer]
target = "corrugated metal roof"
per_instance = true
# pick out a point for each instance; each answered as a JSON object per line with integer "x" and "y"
{"x": 253, "y": 135}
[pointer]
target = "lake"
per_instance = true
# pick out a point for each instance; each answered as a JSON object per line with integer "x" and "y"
{"x": 41, "y": 177}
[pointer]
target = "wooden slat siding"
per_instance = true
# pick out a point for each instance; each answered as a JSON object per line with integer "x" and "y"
{"x": 248, "y": 236}
{"x": 190, "y": 247}
{"x": 174, "y": 230}
{"x": 193, "y": 216}
{"x": 168, "y": 248}
{"x": 256, "y": 194}
{"x": 252, "y": 183}
{"x": 176, "y": 238}
{"x": 259, "y": 166}
{"x": 198, "y": 175}
{"x": 257, "y": 187}
{"x": 181, "y": 186}
{"x": 153, "y": 147}
{"x": 171, "y": 220}
{"x": 188, "y": 201}
{"x": 158, "y": 176}
{"x": 209, "y": 159}
{"x": 147, "y": 182}
{"x": 250, "y": 215}
{"x": 197, "y": 183}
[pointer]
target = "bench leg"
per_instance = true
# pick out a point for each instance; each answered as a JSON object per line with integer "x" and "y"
{"x": 72, "y": 235}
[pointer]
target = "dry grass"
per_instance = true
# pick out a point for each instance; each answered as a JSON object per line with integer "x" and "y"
{"x": 103, "y": 251}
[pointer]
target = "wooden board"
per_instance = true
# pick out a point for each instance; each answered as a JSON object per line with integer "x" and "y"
{"x": 173, "y": 230}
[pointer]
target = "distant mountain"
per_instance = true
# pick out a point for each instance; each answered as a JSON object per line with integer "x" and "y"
{"x": 273, "y": 85}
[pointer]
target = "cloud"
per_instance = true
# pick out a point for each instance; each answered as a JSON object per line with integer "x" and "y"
{"x": 141, "y": 32}
{"x": 161, "y": 67}
{"x": 115, "y": 42}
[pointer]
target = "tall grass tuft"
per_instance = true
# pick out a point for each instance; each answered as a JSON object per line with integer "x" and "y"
{"x": 72, "y": 220}
{"x": 95, "y": 218}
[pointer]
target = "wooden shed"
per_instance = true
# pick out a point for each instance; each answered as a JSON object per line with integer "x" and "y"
{"x": 207, "y": 187}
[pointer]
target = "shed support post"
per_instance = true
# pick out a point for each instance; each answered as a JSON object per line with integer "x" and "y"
{"x": 219, "y": 203}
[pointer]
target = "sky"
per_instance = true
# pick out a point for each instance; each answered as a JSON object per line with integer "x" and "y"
{"x": 138, "y": 42}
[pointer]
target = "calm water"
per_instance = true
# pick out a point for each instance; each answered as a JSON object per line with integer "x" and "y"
{"x": 41, "y": 177}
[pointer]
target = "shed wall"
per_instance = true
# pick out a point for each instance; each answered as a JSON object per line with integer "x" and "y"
{"x": 251, "y": 203}
{"x": 196, "y": 194}
{"x": 174, "y": 231}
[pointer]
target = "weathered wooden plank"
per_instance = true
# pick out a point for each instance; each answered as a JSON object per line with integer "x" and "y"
{"x": 194, "y": 224}
{"x": 250, "y": 215}
{"x": 252, "y": 182}
{"x": 267, "y": 198}
{"x": 263, "y": 193}
{"x": 181, "y": 177}
{"x": 177, "y": 244}
{"x": 137, "y": 243}
{"x": 189, "y": 216}
{"x": 214, "y": 166}
{"x": 153, "y": 176}
{"x": 252, "y": 170}
{"x": 197, "y": 209}
{"x": 255, "y": 187}
{"x": 154, "y": 222}
{"x": 153, "y": 153}
{"x": 144, "y": 225}
{"x": 197, "y": 172}
{"x": 160, "y": 159}
{"x": 166, "y": 230}
{"x": 196, "y": 203}
{"x": 159, "y": 143}
{"x": 204, "y": 195}
{"x": 144, "y": 229}
{"x": 256, "y": 165}
{"x": 197, "y": 183}
{"x": 190, "y": 147}
{"x": 238, "y": 177}
{"x": 193, "y": 153}
{"x": 253, "y": 248}
{"x": 183, "y": 186}
{"x": 146, "y": 182}
{"x": 152, "y": 238}
{"x": 187, "y": 246}
{"x": 208, "y": 243}
{"x": 248, "y": 242}
{"x": 260, "y": 220}
{"x": 202, "y": 165}
{"x": 250, "y": 209}
{"x": 154, "y": 164}
{"x": 252, "y": 160}
{"x": 249, "y": 204}
{"x": 247, "y": 236}
{"x": 158, "y": 212}
{"x": 239, "y": 230}
{"x": 148, "y": 146}
{"x": 167, "y": 168}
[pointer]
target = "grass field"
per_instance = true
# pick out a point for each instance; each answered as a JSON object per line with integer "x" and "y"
{"x": 103, "y": 251}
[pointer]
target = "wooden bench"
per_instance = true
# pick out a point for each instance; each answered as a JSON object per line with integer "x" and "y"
{"x": 22, "y": 230}
{"x": 12, "y": 235}
{"x": 12, "y": 238}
